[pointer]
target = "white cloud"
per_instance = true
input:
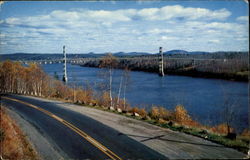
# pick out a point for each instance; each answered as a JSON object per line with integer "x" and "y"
{"x": 178, "y": 11}
{"x": 111, "y": 16}
{"x": 159, "y": 31}
{"x": 149, "y": 12}
{"x": 214, "y": 41}
{"x": 84, "y": 30}
{"x": 13, "y": 21}
{"x": 3, "y": 43}
{"x": 168, "y": 38}
{"x": 65, "y": 15}
{"x": 2, "y": 35}
{"x": 121, "y": 15}
{"x": 242, "y": 18}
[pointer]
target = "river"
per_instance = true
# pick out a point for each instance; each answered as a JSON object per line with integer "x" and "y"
{"x": 204, "y": 99}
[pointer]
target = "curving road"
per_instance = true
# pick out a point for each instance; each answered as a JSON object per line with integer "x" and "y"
{"x": 78, "y": 136}
{"x": 86, "y": 133}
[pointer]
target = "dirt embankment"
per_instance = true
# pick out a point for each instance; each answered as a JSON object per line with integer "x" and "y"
{"x": 13, "y": 143}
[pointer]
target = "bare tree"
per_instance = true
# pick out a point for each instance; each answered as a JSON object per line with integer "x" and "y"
{"x": 230, "y": 111}
{"x": 126, "y": 82}
{"x": 108, "y": 63}
{"x": 119, "y": 91}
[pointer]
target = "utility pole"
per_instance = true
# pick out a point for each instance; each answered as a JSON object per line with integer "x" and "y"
{"x": 65, "y": 78}
{"x": 161, "y": 65}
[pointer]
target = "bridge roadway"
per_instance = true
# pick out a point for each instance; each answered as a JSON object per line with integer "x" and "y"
{"x": 84, "y": 60}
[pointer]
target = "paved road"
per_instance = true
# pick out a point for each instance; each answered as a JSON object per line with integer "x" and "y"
{"x": 66, "y": 125}
{"x": 79, "y": 136}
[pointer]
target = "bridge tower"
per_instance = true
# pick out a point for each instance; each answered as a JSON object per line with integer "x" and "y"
{"x": 161, "y": 65}
{"x": 193, "y": 63}
{"x": 65, "y": 78}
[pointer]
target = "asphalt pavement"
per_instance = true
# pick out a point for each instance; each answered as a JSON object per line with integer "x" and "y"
{"x": 78, "y": 136}
{"x": 76, "y": 132}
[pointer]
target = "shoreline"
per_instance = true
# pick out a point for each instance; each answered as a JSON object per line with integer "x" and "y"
{"x": 191, "y": 73}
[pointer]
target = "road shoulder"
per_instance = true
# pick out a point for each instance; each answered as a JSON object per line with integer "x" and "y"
{"x": 44, "y": 148}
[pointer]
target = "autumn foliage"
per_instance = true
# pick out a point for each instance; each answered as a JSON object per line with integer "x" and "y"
{"x": 221, "y": 129}
{"x": 161, "y": 113}
{"x": 154, "y": 113}
{"x": 15, "y": 78}
{"x": 32, "y": 80}
{"x": 181, "y": 114}
{"x": 141, "y": 111}
{"x": 13, "y": 144}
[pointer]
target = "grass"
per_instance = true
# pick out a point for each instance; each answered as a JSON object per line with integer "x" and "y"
{"x": 13, "y": 143}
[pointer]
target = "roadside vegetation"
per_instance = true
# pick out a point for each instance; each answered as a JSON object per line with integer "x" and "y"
{"x": 13, "y": 143}
{"x": 31, "y": 80}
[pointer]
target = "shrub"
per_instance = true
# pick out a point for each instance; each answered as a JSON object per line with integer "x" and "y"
{"x": 165, "y": 114}
{"x": 221, "y": 129}
{"x": 119, "y": 104}
{"x": 154, "y": 113}
{"x": 246, "y": 133}
{"x": 181, "y": 114}
{"x": 61, "y": 91}
{"x": 142, "y": 112}
{"x": 124, "y": 105}
{"x": 105, "y": 100}
{"x": 85, "y": 96}
{"x": 161, "y": 121}
{"x": 134, "y": 110}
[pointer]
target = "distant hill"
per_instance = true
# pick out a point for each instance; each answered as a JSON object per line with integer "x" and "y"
{"x": 184, "y": 52}
{"x": 130, "y": 54}
{"x": 176, "y": 52}
{"x": 198, "y": 52}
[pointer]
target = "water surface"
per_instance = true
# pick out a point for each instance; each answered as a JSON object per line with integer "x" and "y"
{"x": 205, "y": 99}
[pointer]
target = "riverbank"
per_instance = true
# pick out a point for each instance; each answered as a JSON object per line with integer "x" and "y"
{"x": 231, "y": 70}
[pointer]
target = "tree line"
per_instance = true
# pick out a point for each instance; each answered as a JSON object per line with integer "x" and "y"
{"x": 15, "y": 78}
{"x": 232, "y": 67}
{"x": 32, "y": 80}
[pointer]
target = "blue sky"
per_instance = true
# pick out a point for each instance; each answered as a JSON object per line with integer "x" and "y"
{"x": 128, "y": 26}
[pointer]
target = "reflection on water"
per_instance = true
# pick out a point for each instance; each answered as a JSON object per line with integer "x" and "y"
{"x": 205, "y": 99}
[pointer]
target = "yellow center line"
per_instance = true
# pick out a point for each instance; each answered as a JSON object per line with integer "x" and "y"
{"x": 91, "y": 140}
